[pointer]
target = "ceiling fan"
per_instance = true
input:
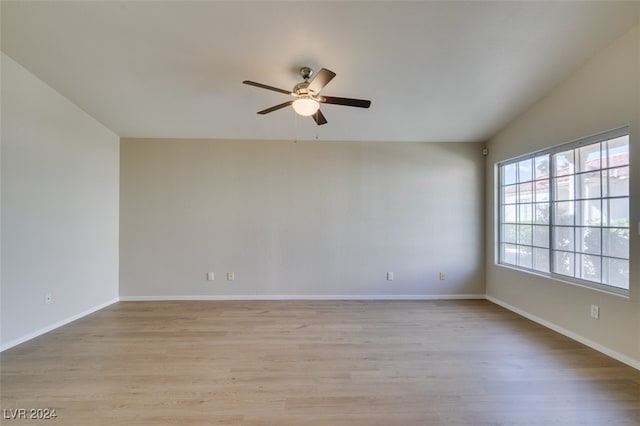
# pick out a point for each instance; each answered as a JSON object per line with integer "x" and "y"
{"x": 307, "y": 95}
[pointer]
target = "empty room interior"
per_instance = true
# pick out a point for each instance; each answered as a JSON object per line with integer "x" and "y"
{"x": 320, "y": 213}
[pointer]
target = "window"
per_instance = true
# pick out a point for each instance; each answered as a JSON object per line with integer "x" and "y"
{"x": 564, "y": 212}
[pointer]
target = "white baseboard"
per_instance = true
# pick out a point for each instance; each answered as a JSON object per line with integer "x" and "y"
{"x": 598, "y": 347}
{"x": 52, "y": 327}
{"x": 307, "y": 297}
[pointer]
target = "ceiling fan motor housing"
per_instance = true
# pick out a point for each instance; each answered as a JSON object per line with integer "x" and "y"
{"x": 302, "y": 90}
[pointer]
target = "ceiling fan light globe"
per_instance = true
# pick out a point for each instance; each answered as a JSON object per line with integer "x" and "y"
{"x": 305, "y": 106}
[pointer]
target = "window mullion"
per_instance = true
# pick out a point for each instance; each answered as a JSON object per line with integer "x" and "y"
{"x": 517, "y": 201}
{"x": 603, "y": 167}
{"x": 552, "y": 209}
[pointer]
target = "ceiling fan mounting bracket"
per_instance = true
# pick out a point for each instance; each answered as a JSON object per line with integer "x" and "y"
{"x": 306, "y": 73}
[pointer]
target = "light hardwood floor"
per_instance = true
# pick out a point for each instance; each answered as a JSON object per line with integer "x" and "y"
{"x": 315, "y": 363}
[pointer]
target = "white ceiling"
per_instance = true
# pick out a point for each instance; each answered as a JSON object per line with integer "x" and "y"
{"x": 435, "y": 71}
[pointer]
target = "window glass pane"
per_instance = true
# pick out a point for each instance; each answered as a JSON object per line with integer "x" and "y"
{"x": 525, "y": 234}
{"x": 542, "y": 190}
{"x": 589, "y": 212}
{"x": 509, "y": 213}
{"x": 541, "y": 236}
{"x": 617, "y": 212}
{"x": 509, "y": 253}
{"x": 563, "y": 213}
{"x": 563, "y": 263}
{"x": 618, "y": 151}
{"x": 541, "y": 213}
{"x": 509, "y": 194}
{"x": 542, "y": 167}
{"x": 509, "y": 233}
{"x": 525, "y": 257}
{"x": 590, "y": 267}
{"x": 564, "y": 188}
{"x": 616, "y": 181}
{"x": 615, "y": 242}
{"x": 525, "y": 192}
{"x": 616, "y": 272}
{"x": 541, "y": 260}
{"x": 588, "y": 185}
{"x": 509, "y": 174}
{"x": 525, "y": 170}
{"x": 564, "y": 163}
{"x": 589, "y": 240}
{"x": 563, "y": 238}
{"x": 588, "y": 158}
{"x": 525, "y": 213}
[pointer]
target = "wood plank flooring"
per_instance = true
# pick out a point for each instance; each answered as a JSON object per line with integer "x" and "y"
{"x": 315, "y": 363}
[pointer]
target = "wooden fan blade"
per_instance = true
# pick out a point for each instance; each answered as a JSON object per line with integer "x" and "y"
{"x": 275, "y": 108}
{"x": 360, "y": 103}
{"x": 321, "y": 79}
{"x": 318, "y": 117}
{"x": 264, "y": 86}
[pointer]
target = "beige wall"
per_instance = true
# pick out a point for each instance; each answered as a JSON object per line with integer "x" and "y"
{"x": 59, "y": 171}
{"x": 300, "y": 219}
{"x": 604, "y": 94}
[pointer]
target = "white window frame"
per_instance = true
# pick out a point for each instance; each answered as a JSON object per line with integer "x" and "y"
{"x": 601, "y": 137}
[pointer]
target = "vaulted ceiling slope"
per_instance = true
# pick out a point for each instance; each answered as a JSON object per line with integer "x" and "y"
{"x": 435, "y": 71}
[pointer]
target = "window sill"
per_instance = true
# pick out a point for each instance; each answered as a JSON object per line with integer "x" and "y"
{"x": 624, "y": 294}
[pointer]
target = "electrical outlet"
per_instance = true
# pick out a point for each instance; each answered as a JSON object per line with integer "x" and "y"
{"x": 48, "y": 298}
{"x": 595, "y": 311}
{"x": 211, "y": 276}
{"x": 231, "y": 276}
{"x": 389, "y": 276}
{"x": 442, "y": 276}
